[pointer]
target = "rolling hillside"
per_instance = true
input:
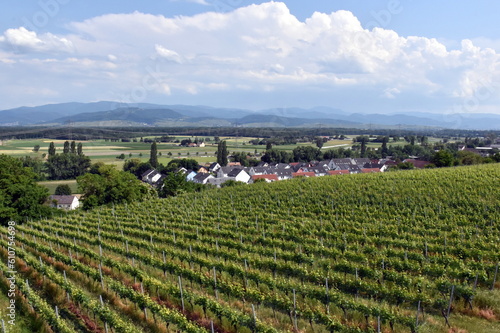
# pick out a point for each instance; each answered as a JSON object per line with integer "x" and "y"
{"x": 394, "y": 252}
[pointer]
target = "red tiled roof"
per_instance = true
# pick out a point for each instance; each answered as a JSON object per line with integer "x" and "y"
{"x": 370, "y": 170}
{"x": 338, "y": 172}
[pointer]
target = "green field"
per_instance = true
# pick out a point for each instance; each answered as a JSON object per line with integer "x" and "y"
{"x": 52, "y": 185}
{"x": 107, "y": 152}
{"x": 332, "y": 254}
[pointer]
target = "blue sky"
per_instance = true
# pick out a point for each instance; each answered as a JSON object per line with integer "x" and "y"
{"x": 360, "y": 56}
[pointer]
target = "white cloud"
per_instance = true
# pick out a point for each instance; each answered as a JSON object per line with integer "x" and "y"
{"x": 253, "y": 49}
{"x": 168, "y": 54}
{"x": 22, "y": 40}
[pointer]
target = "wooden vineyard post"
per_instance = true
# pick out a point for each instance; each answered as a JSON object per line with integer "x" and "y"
{"x": 418, "y": 311}
{"x": 180, "y": 289}
{"x": 66, "y": 280}
{"x": 447, "y": 313}
{"x": 102, "y": 304}
{"x": 495, "y": 278}
{"x": 100, "y": 274}
{"x": 254, "y": 316}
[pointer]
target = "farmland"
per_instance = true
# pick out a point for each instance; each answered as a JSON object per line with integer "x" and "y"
{"x": 394, "y": 252}
{"x": 107, "y": 152}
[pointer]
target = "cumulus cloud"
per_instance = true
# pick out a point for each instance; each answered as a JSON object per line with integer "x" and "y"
{"x": 263, "y": 48}
{"x": 23, "y": 40}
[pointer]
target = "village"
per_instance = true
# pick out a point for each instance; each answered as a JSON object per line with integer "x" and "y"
{"x": 216, "y": 175}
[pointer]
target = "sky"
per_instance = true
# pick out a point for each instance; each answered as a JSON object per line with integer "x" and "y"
{"x": 390, "y": 56}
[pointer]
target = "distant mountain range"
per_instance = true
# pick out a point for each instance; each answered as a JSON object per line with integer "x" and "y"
{"x": 144, "y": 114}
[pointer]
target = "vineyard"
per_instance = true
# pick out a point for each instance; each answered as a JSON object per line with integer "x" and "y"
{"x": 393, "y": 252}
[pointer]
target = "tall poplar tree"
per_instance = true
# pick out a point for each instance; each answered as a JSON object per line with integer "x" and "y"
{"x": 66, "y": 147}
{"x": 153, "y": 157}
{"x": 52, "y": 149}
{"x": 222, "y": 153}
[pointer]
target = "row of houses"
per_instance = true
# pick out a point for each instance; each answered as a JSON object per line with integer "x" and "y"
{"x": 216, "y": 175}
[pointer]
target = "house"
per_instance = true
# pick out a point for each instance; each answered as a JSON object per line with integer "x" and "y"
{"x": 190, "y": 174}
{"x": 239, "y": 175}
{"x": 225, "y": 171}
{"x": 361, "y": 161}
{"x": 372, "y": 165}
{"x": 203, "y": 169}
{"x": 202, "y": 178}
{"x": 252, "y": 171}
{"x": 151, "y": 177}
{"x": 283, "y": 173}
{"x": 267, "y": 178}
{"x": 319, "y": 170}
{"x": 214, "y": 167}
{"x": 66, "y": 202}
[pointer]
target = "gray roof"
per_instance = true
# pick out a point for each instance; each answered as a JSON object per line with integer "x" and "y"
{"x": 63, "y": 199}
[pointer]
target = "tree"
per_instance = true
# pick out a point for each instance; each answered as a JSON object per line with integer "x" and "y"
{"x": 67, "y": 166}
{"x": 36, "y": 164}
{"x": 443, "y": 158}
{"x": 20, "y": 196}
{"x": 319, "y": 143}
{"x": 52, "y": 149}
{"x": 384, "y": 150}
{"x": 305, "y": 154}
{"x": 79, "y": 149}
{"x": 363, "y": 146}
{"x": 222, "y": 153}
{"x": 175, "y": 183}
{"x": 66, "y": 147}
{"x": 110, "y": 186}
{"x": 36, "y": 148}
{"x": 269, "y": 145}
{"x": 186, "y": 163}
{"x": 277, "y": 156}
{"x": 63, "y": 189}
{"x": 136, "y": 167}
{"x": 73, "y": 147}
{"x": 153, "y": 156}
